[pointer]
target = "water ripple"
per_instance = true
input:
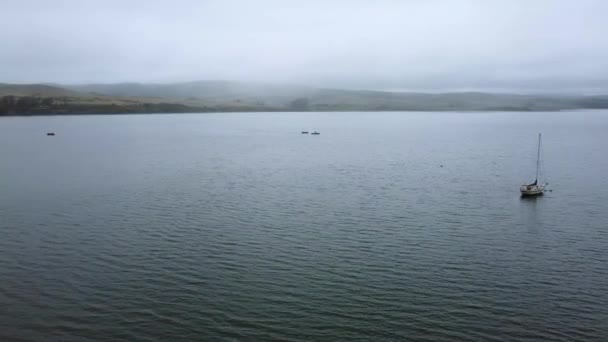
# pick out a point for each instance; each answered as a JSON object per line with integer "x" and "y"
{"x": 243, "y": 236}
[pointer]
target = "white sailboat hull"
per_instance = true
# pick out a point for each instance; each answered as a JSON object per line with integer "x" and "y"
{"x": 532, "y": 190}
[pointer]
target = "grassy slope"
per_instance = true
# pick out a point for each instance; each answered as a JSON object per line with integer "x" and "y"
{"x": 70, "y": 101}
{"x": 208, "y": 96}
{"x": 280, "y": 96}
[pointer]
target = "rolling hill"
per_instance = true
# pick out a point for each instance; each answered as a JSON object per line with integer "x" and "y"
{"x": 226, "y": 96}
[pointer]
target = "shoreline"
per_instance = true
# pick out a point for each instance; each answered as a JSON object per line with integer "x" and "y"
{"x": 311, "y": 112}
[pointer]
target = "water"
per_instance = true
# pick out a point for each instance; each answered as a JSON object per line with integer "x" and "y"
{"x": 237, "y": 227}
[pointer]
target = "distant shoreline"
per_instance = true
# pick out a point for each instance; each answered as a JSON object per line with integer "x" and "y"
{"x": 233, "y": 97}
{"x": 302, "y": 112}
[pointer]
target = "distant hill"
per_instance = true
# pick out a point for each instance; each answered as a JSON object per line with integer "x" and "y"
{"x": 282, "y": 96}
{"x": 225, "y": 96}
{"x": 204, "y": 89}
{"x": 41, "y": 90}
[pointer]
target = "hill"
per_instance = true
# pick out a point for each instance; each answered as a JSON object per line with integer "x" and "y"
{"x": 225, "y": 96}
{"x": 320, "y": 99}
{"x": 40, "y": 90}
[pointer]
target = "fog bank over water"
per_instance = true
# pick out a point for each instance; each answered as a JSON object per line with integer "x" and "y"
{"x": 502, "y": 46}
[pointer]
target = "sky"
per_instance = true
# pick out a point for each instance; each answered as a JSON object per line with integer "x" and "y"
{"x": 411, "y": 45}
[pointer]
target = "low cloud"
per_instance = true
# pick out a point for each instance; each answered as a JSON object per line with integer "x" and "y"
{"x": 527, "y": 46}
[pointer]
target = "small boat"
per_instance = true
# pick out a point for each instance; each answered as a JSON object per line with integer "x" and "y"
{"x": 315, "y": 133}
{"x": 304, "y": 132}
{"x": 50, "y": 134}
{"x": 534, "y": 189}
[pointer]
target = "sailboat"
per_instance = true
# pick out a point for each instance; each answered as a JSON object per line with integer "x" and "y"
{"x": 534, "y": 189}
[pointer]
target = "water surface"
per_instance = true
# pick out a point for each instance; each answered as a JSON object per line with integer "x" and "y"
{"x": 386, "y": 227}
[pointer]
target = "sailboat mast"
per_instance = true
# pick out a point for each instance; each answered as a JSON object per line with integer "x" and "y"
{"x": 538, "y": 157}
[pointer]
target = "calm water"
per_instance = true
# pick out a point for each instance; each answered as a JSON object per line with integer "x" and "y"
{"x": 237, "y": 227}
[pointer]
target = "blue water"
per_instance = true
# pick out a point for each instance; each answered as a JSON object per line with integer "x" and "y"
{"x": 236, "y": 227}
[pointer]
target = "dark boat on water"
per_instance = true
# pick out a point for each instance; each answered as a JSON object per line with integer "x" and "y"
{"x": 304, "y": 132}
{"x": 50, "y": 134}
{"x": 315, "y": 133}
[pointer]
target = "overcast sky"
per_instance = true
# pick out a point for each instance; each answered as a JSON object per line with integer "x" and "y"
{"x": 527, "y": 45}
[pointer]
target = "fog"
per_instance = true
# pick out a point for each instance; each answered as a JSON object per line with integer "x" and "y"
{"x": 417, "y": 45}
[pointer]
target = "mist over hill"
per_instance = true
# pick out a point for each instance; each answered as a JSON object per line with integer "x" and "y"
{"x": 228, "y": 96}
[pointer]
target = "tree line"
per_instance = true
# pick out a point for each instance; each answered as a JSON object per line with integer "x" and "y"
{"x": 35, "y": 105}
{"x": 11, "y": 104}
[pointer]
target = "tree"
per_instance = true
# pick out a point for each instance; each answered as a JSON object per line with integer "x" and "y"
{"x": 48, "y": 101}
{"x": 299, "y": 104}
{"x": 9, "y": 101}
{"x": 25, "y": 103}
